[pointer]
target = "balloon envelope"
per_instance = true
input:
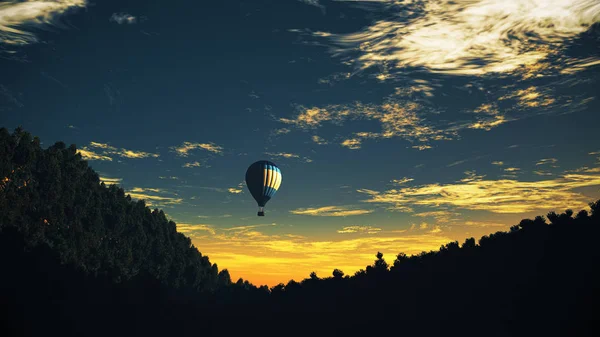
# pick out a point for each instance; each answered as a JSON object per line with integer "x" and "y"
{"x": 263, "y": 179}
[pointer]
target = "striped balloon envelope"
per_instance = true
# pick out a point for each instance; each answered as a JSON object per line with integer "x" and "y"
{"x": 263, "y": 179}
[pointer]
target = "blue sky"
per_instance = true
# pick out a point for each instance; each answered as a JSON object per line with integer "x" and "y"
{"x": 398, "y": 125}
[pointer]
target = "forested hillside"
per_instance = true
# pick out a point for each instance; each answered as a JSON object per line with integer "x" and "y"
{"x": 79, "y": 258}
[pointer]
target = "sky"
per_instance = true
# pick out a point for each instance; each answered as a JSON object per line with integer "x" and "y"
{"x": 398, "y": 126}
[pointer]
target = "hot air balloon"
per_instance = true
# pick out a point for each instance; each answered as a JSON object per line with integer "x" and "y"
{"x": 263, "y": 179}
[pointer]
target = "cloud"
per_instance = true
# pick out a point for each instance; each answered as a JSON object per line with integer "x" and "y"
{"x": 484, "y": 224}
{"x": 422, "y": 147}
{"x": 191, "y": 229}
{"x": 468, "y": 37}
{"x": 547, "y": 161}
{"x": 110, "y": 181}
{"x": 186, "y": 147}
{"x": 318, "y": 140}
{"x": 330, "y": 211}
{"x": 238, "y": 189}
{"x": 124, "y": 153}
{"x": 352, "y": 144}
{"x": 123, "y": 18}
{"x": 281, "y": 131}
{"x": 88, "y": 154}
{"x": 314, "y": 3}
{"x": 512, "y": 169}
{"x": 15, "y": 16}
{"x": 402, "y": 181}
{"x": 192, "y": 164}
{"x": 440, "y": 216}
{"x": 359, "y": 229}
{"x": 171, "y": 177}
{"x": 498, "y": 163}
{"x": 283, "y": 154}
{"x": 497, "y": 196}
{"x": 288, "y": 155}
{"x": 152, "y": 196}
{"x": 397, "y": 116}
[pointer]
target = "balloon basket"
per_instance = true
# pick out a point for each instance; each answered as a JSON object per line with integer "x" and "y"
{"x": 261, "y": 213}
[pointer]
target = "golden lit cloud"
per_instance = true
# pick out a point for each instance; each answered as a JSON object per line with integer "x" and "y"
{"x": 422, "y": 147}
{"x": 512, "y": 169}
{"x": 397, "y": 116}
{"x": 111, "y": 150}
{"x": 191, "y": 229}
{"x": 488, "y": 124}
{"x": 238, "y": 189}
{"x": 192, "y": 164}
{"x": 281, "y": 131}
{"x": 186, "y": 147}
{"x": 318, "y": 140}
{"x": 484, "y": 224}
{"x": 110, "y": 181}
{"x": 353, "y": 144}
{"x": 359, "y": 229}
{"x": 15, "y": 16}
{"x": 469, "y": 37}
{"x": 547, "y": 161}
{"x": 88, "y": 154}
{"x": 288, "y": 155}
{"x": 330, "y": 211}
{"x": 154, "y": 199}
{"x": 102, "y": 146}
{"x": 498, "y": 196}
{"x": 283, "y": 154}
{"x": 309, "y": 118}
{"x": 402, "y": 181}
{"x": 499, "y": 163}
{"x": 135, "y": 154}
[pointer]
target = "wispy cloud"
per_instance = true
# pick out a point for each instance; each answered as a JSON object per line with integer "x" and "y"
{"x": 238, "y": 189}
{"x": 123, "y": 18}
{"x": 15, "y": 16}
{"x": 547, "y": 161}
{"x": 314, "y": 3}
{"x": 398, "y": 116}
{"x": 108, "y": 150}
{"x": 468, "y": 37}
{"x": 352, "y": 144}
{"x": 288, "y": 156}
{"x": 168, "y": 177}
{"x": 330, "y": 211}
{"x": 186, "y": 147}
{"x": 110, "y": 181}
{"x": 498, "y": 163}
{"x": 402, "y": 181}
{"x": 88, "y": 154}
{"x": 193, "y": 229}
{"x": 154, "y": 197}
{"x": 192, "y": 164}
{"x": 359, "y": 229}
{"x": 498, "y": 196}
{"x": 318, "y": 140}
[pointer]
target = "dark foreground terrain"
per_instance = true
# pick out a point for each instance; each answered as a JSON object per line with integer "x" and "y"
{"x": 78, "y": 258}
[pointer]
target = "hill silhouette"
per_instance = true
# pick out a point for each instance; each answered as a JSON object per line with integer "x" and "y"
{"x": 78, "y": 258}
